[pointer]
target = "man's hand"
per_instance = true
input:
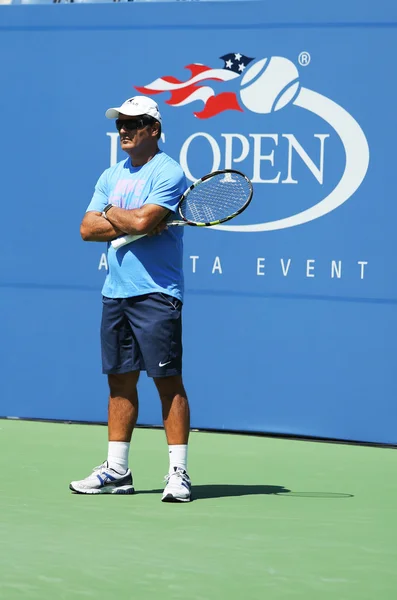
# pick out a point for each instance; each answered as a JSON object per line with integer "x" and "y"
{"x": 158, "y": 229}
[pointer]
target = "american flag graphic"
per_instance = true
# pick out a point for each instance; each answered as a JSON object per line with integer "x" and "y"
{"x": 185, "y": 92}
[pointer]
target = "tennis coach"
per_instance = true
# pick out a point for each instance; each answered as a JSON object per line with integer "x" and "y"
{"x": 142, "y": 297}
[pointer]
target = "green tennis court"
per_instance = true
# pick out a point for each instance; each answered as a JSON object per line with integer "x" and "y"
{"x": 272, "y": 518}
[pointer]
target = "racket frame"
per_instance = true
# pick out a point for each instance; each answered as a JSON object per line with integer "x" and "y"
{"x": 218, "y": 221}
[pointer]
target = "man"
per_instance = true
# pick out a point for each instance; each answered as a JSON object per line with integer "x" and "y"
{"x": 142, "y": 297}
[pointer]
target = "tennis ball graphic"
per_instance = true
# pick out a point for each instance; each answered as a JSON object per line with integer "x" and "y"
{"x": 269, "y": 84}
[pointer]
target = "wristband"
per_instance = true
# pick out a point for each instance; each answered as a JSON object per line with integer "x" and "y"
{"x": 105, "y": 210}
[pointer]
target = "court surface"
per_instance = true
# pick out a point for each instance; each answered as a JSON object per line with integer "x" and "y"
{"x": 272, "y": 519}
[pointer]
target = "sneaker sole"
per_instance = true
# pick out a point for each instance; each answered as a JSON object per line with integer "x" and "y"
{"x": 171, "y": 498}
{"x": 122, "y": 489}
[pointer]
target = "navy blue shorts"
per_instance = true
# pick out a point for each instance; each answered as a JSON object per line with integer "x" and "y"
{"x": 143, "y": 333}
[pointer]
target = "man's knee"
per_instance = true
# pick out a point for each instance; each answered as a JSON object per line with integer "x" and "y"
{"x": 169, "y": 387}
{"x": 123, "y": 384}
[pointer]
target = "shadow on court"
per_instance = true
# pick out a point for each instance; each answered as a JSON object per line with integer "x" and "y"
{"x": 222, "y": 491}
{"x": 201, "y": 492}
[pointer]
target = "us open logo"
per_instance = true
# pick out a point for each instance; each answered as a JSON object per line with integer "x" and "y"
{"x": 264, "y": 87}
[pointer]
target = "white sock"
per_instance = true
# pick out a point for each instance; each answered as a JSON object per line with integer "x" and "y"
{"x": 118, "y": 456}
{"x": 178, "y": 457}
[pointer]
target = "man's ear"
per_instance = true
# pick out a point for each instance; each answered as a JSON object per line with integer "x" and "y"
{"x": 155, "y": 129}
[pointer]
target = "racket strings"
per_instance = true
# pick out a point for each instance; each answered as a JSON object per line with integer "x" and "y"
{"x": 216, "y": 198}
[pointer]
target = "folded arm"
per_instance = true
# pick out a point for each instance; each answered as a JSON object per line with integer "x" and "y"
{"x": 137, "y": 221}
{"x": 150, "y": 219}
{"x": 94, "y": 228}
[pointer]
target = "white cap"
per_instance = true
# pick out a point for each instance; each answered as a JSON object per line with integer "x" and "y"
{"x": 134, "y": 107}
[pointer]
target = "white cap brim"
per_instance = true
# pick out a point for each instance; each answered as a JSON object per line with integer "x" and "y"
{"x": 112, "y": 113}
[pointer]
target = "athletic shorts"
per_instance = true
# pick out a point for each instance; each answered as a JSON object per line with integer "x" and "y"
{"x": 143, "y": 333}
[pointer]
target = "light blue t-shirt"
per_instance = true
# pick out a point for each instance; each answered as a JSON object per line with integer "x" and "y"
{"x": 151, "y": 264}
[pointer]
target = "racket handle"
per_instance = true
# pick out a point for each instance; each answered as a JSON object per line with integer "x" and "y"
{"x": 125, "y": 239}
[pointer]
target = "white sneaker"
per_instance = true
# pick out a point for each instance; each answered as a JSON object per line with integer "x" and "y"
{"x": 104, "y": 480}
{"x": 178, "y": 488}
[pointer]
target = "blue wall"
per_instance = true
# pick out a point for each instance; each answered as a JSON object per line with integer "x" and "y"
{"x": 302, "y": 293}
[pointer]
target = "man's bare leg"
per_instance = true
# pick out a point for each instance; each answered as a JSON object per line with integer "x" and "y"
{"x": 123, "y": 406}
{"x": 175, "y": 406}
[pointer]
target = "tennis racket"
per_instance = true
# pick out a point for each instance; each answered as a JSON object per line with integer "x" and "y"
{"x": 213, "y": 199}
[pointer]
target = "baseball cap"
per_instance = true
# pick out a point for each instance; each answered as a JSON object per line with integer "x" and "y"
{"x": 138, "y": 105}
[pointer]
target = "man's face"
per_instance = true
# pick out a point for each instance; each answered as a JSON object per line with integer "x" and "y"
{"x": 134, "y": 137}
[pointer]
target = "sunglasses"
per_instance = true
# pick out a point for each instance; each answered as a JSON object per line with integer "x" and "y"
{"x": 132, "y": 124}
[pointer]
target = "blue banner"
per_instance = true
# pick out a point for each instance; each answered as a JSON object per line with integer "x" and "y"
{"x": 290, "y": 320}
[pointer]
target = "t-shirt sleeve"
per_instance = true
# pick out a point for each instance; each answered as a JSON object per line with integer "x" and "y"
{"x": 100, "y": 198}
{"x": 168, "y": 189}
